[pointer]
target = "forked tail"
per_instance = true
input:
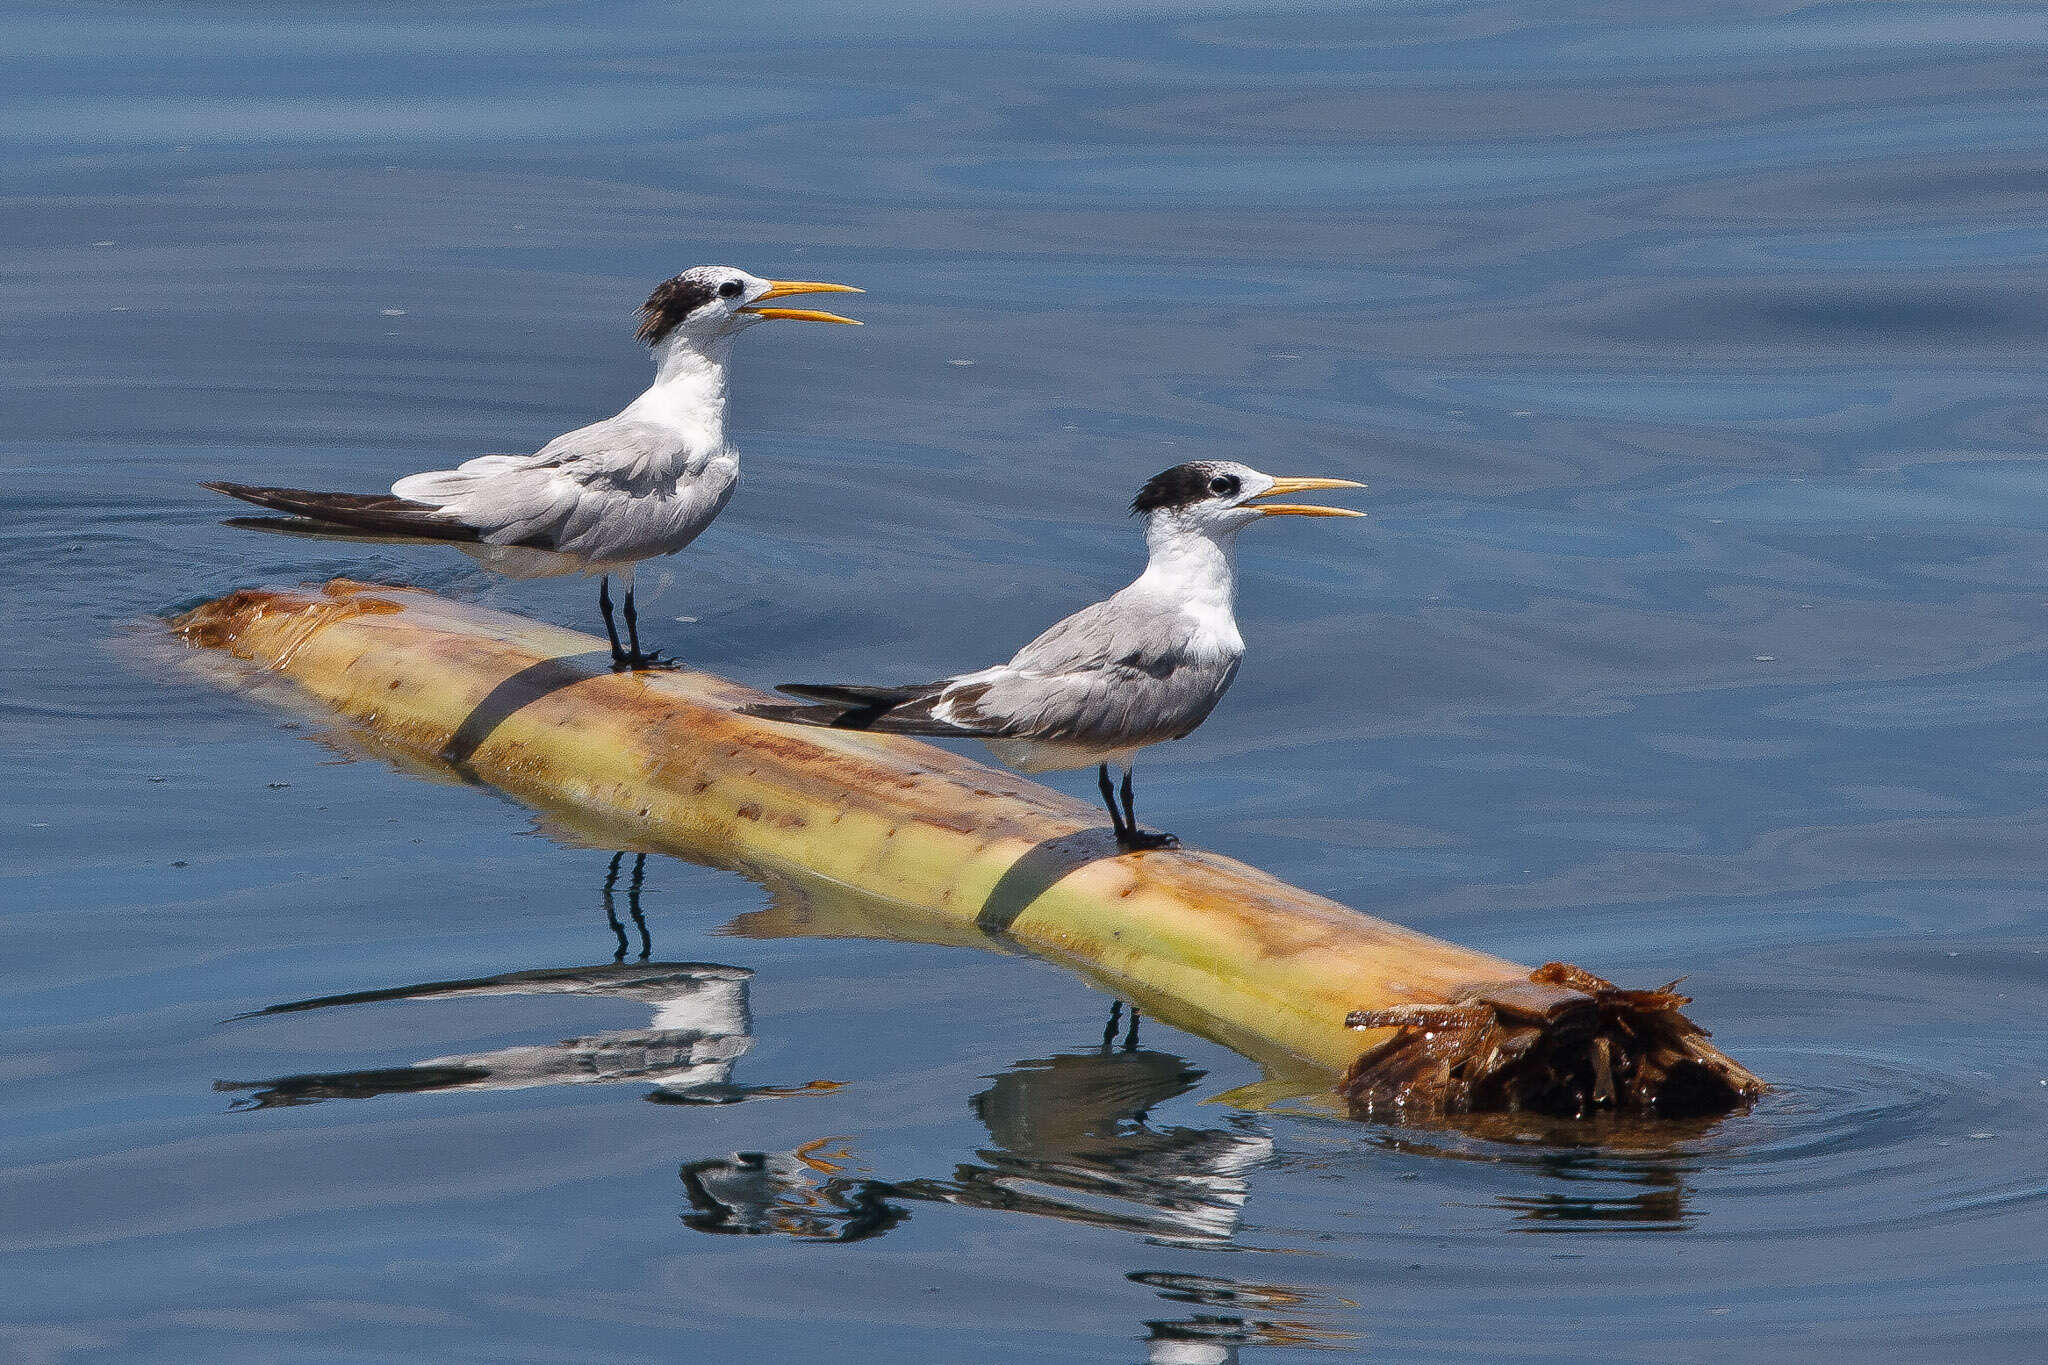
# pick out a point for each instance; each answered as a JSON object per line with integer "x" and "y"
{"x": 362, "y": 511}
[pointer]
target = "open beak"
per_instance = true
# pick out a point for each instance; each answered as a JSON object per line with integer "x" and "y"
{"x": 1299, "y": 509}
{"x": 782, "y": 289}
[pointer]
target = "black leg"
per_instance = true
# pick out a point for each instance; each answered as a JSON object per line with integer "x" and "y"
{"x": 1129, "y": 836}
{"x": 633, "y": 906}
{"x": 635, "y": 656}
{"x": 1131, "y": 1038}
{"x": 611, "y": 911}
{"x": 1116, "y": 820}
{"x": 604, "y": 604}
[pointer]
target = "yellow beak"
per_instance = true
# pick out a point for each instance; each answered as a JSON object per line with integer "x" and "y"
{"x": 782, "y": 289}
{"x": 1295, "y": 509}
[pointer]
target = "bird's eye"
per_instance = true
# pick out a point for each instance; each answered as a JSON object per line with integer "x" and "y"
{"x": 730, "y": 289}
{"x": 1223, "y": 485}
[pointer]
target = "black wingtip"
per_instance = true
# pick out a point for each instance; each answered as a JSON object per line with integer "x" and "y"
{"x": 820, "y": 692}
{"x": 836, "y": 714}
{"x": 246, "y": 492}
{"x": 379, "y": 513}
{"x": 856, "y": 694}
{"x": 790, "y": 715}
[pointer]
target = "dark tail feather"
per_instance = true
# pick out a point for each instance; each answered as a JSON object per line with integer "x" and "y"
{"x": 860, "y": 708}
{"x": 305, "y": 528}
{"x": 834, "y": 717}
{"x": 851, "y": 694}
{"x": 364, "y": 511}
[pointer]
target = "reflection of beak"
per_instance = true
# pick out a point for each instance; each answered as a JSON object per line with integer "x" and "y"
{"x": 812, "y": 1155}
{"x": 1295, "y": 509}
{"x": 782, "y": 289}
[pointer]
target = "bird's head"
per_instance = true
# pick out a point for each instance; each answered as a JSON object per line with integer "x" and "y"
{"x": 709, "y": 302}
{"x": 1219, "y": 498}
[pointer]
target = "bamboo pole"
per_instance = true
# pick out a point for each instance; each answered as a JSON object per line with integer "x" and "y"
{"x": 1413, "y": 1025}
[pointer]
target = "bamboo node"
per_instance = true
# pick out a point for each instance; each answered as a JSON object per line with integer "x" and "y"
{"x": 1564, "y": 1042}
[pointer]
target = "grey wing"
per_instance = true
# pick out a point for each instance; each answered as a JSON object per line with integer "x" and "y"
{"x": 634, "y": 456}
{"x": 1102, "y": 634}
{"x": 582, "y": 493}
{"x": 1110, "y": 674}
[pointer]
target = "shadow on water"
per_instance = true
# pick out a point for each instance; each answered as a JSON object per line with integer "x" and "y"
{"x": 701, "y": 1026}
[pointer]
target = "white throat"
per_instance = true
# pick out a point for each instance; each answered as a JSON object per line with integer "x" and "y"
{"x": 1188, "y": 567}
{"x": 688, "y": 393}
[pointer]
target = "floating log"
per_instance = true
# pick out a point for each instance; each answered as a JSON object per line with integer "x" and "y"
{"x": 1405, "y": 1025}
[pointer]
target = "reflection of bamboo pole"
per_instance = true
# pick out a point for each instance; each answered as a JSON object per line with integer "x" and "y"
{"x": 531, "y": 708}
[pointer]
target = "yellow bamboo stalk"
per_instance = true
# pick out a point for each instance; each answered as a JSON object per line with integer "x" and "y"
{"x": 972, "y": 851}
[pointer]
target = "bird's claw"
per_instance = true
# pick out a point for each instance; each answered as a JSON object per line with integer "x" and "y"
{"x": 1145, "y": 840}
{"x": 650, "y": 662}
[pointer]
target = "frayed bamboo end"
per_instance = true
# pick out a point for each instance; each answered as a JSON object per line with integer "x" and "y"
{"x": 219, "y": 624}
{"x": 1563, "y": 1043}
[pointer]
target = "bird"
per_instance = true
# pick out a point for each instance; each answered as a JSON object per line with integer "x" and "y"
{"x": 1142, "y": 667}
{"x": 601, "y": 498}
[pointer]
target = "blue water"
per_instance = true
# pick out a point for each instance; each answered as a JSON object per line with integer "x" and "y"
{"x": 1692, "y": 353}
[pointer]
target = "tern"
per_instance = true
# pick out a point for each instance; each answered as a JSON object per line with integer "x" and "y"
{"x": 1144, "y": 666}
{"x": 601, "y": 498}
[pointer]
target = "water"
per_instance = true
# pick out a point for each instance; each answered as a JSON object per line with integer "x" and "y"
{"x": 1692, "y": 355}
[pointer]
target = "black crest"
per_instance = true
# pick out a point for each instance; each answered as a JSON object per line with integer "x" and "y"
{"x": 1184, "y": 485}
{"x": 671, "y": 302}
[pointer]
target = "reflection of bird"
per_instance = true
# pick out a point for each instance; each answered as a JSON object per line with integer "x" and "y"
{"x": 1217, "y": 1338}
{"x": 1144, "y": 666}
{"x": 1214, "y": 1338}
{"x": 1116, "y": 1014}
{"x": 1071, "y": 1142}
{"x": 700, "y": 1029}
{"x": 611, "y": 912}
{"x": 759, "y": 1192}
{"x": 603, "y": 497}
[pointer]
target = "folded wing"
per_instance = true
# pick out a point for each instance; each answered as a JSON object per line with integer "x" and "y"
{"x": 1103, "y": 677}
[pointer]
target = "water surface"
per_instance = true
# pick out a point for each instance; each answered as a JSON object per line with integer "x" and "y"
{"x": 1692, "y": 356}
